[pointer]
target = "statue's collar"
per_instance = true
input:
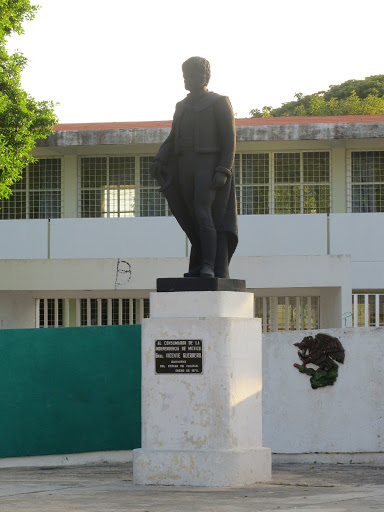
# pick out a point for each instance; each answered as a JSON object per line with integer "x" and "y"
{"x": 203, "y": 101}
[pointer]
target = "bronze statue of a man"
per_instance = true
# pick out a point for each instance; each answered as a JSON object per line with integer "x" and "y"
{"x": 194, "y": 169}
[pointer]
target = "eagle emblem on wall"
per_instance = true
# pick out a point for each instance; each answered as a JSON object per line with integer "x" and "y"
{"x": 324, "y": 351}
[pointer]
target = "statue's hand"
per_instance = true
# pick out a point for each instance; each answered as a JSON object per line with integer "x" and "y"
{"x": 219, "y": 180}
{"x": 155, "y": 169}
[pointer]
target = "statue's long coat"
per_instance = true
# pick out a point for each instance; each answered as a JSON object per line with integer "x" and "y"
{"x": 214, "y": 132}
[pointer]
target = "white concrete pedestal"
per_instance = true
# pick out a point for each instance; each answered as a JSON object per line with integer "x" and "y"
{"x": 203, "y": 429}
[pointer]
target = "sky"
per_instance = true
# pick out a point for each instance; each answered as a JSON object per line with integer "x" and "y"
{"x": 120, "y": 60}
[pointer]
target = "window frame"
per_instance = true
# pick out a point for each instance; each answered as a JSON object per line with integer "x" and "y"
{"x": 349, "y": 183}
{"x": 272, "y": 184}
{"x": 137, "y": 184}
{"x": 27, "y": 192}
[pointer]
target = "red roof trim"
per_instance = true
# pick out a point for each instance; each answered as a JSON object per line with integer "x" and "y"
{"x": 251, "y": 121}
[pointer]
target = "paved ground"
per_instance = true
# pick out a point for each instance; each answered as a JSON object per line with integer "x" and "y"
{"x": 109, "y": 488}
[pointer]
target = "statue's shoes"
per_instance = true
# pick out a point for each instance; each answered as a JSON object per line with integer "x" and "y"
{"x": 207, "y": 271}
{"x": 192, "y": 274}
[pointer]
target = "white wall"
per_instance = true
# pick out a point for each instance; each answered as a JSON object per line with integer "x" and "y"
{"x": 137, "y": 237}
{"x": 346, "y": 417}
{"x": 24, "y": 239}
{"x": 102, "y": 273}
{"x": 361, "y": 236}
{"x": 17, "y": 310}
{"x": 271, "y": 235}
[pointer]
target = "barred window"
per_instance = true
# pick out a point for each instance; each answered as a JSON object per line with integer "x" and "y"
{"x": 297, "y": 182}
{"x": 152, "y": 201}
{"x": 366, "y": 182}
{"x": 107, "y": 187}
{"x": 288, "y": 313}
{"x": 252, "y": 183}
{"x": 85, "y": 312}
{"x": 50, "y": 312}
{"x": 302, "y": 182}
{"x": 119, "y": 187}
{"x": 367, "y": 309}
{"x": 37, "y": 195}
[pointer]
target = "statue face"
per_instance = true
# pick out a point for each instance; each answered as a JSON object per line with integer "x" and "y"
{"x": 193, "y": 81}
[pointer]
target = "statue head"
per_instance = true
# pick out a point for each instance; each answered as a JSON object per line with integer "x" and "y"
{"x": 196, "y": 72}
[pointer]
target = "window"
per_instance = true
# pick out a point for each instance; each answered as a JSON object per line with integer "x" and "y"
{"x": 107, "y": 187}
{"x": 85, "y": 312}
{"x": 367, "y": 309}
{"x": 119, "y": 187}
{"x": 288, "y": 313}
{"x": 152, "y": 201}
{"x": 252, "y": 183}
{"x": 289, "y": 182}
{"x": 37, "y": 195}
{"x": 366, "y": 177}
{"x": 50, "y": 312}
{"x": 298, "y": 182}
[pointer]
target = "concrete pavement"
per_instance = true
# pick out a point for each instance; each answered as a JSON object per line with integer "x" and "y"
{"x": 109, "y": 488}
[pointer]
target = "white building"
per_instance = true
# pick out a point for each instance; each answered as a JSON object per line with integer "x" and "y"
{"x": 86, "y": 232}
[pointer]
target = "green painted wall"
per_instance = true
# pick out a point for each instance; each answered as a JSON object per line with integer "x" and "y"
{"x": 70, "y": 390}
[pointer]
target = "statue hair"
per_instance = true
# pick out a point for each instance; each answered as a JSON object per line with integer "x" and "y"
{"x": 198, "y": 65}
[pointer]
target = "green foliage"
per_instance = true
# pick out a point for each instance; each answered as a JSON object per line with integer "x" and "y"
{"x": 353, "y": 97}
{"x": 23, "y": 120}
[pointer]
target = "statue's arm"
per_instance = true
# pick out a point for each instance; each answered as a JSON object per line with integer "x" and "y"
{"x": 227, "y": 134}
{"x": 166, "y": 149}
{"x": 164, "y": 153}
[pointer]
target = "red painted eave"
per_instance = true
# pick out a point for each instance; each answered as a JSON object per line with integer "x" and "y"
{"x": 251, "y": 121}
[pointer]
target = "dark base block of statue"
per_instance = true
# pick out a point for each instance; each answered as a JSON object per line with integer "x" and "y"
{"x": 199, "y": 284}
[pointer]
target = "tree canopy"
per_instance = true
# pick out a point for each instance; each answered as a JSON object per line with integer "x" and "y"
{"x": 353, "y": 97}
{"x": 23, "y": 120}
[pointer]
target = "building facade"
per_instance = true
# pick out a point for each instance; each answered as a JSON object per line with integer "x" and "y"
{"x": 87, "y": 232}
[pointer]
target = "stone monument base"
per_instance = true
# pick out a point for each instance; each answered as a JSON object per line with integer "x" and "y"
{"x": 219, "y": 468}
{"x": 201, "y": 392}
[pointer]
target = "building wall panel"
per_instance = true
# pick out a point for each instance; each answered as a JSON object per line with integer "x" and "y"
{"x": 272, "y": 235}
{"x": 137, "y": 237}
{"x": 24, "y": 239}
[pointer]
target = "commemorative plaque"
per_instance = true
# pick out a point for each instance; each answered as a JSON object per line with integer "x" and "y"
{"x": 179, "y": 356}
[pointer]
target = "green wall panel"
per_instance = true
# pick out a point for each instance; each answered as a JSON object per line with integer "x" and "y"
{"x": 70, "y": 390}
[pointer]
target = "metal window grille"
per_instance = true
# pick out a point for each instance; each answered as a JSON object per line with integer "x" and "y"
{"x": 291, "y": 182}
{"x": 119, "y": 187}
{"x": 288, "y": 313}
{"x": 365, "y": 181}
{"x": 111, "y": 311}
{"x": 122, "y": 187}
{"x": 152, "y": 201}
{"x": 90, "y": 311}
{"x": 302, "y": 182}
{"x": 367, "y": 310}
{"x": 252, "y": 183}
{"x": 107, "y": 187}
{"x": 38, "y": 194}
{"x": 49, "y": 312}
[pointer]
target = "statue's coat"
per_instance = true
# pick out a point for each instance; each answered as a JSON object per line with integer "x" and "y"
{"x": 214, "y": 132}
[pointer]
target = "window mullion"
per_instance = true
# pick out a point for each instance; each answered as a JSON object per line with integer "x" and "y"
{"x": 301, "y": 183}
{"x": 118, "y": 183}
{"x": 108, "y": 189}
{"x": 272, "y": 183}
{"x": 137, "y": 186}
{"x": 27, "y": 201}
{"x": 349, "y": 182}
{"x": 241, "y": 183}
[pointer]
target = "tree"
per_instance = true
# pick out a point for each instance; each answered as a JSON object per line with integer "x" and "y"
{"x": 23, "y": 120}
{"x": 353, "y": 97}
